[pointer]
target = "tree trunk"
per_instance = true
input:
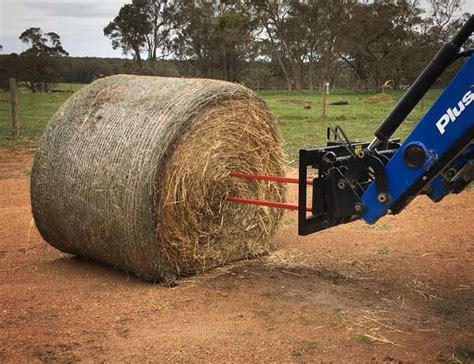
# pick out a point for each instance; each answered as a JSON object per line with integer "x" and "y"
{"x": 285, "y": 72}
{"x": 297, "y": 83}
{"x": 139, "y": 59}
{"x": 297, "y": 77}
{"x": 302, "y": 75}
{"x": 279, "y": 60}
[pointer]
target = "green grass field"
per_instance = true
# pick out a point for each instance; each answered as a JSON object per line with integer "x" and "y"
{"x": 299, "y": 127}
{"x": 307, "y": 128}
{"x": 35, "y": 112}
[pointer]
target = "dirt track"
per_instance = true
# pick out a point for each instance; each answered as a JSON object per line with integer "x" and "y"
{"x": 402, "y": 290}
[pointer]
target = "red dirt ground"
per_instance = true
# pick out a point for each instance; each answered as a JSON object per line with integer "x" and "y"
{"x": 402, "y": 290}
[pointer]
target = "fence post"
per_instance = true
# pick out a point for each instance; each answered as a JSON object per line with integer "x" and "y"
{"x": 324, "y": 99}
{"x": 14, "y": 105}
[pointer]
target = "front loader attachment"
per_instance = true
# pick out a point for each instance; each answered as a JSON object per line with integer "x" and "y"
{"x": 369, "y": 180}
{"x": 341, "y": 174}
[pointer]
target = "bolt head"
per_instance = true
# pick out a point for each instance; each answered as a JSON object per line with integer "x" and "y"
{"x": 341, "y": 184}
{"x": 382, "y": 197}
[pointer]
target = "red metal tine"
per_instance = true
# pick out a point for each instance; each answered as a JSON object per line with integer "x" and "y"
{"x": 280, "y": 205}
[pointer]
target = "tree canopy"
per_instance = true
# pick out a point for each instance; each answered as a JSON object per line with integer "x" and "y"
{"x": 39, "y": 64}
{"x": 280, "y": 43}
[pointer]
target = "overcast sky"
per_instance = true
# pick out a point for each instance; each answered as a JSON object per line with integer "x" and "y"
{"x": 80, "y": 23}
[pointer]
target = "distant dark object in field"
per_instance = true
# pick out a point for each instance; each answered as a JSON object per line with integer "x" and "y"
{"x": 379, "y": 98}
{"x": 58, "y": 91}
{"x": 295, "y": 101}
{"x": 339, "y": 102}
{"x": 3, "y": 99}
{"x": 307, "y": 105}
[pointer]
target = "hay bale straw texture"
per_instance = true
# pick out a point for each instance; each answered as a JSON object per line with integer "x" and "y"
{"x": 134, "y": 171}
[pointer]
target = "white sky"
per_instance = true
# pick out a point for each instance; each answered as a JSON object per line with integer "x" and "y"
{"x": 80, "y": 23}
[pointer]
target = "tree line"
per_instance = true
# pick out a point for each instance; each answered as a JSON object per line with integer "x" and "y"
{"x": 360, "y": 42}
{"x": 296, "y": 44}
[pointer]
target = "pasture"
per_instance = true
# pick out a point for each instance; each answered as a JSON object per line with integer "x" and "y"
{"x": 299, "y": 127}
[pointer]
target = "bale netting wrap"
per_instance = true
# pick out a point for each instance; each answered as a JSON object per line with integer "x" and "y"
{"x": 134, "y": 171}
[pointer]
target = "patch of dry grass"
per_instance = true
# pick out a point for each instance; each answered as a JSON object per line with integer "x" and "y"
{"x": 378, "y": 98}
{"x": 371, "y": 327}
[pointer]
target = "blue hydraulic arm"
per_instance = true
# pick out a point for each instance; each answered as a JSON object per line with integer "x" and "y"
{"x": 444, "y": 134}
{"x": 368, "y": 180}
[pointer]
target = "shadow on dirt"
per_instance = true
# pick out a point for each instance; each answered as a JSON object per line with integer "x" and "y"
{"x": 78, "y": 267}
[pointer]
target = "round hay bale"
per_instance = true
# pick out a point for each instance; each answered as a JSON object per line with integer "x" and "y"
{"x": 134, "y": 172}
